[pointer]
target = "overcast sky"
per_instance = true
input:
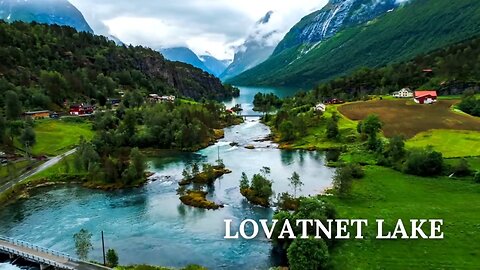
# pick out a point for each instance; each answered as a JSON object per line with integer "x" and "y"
{"x": 214, "y": 26}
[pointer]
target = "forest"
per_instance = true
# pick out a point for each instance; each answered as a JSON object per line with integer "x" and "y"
{"x": 49, "y": 66}
{"x": 449, "y": 70}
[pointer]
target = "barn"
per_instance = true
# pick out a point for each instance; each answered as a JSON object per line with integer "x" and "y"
{"x": 426, "y": 97}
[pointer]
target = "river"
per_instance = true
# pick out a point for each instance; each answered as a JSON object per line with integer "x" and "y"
{"x": 150, "y": 225}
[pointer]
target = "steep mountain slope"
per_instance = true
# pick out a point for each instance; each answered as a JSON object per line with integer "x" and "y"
{"x": 215, "y": 66}
{"x": 185, "y": 55}
{"x": 336, "y": 15}
{"x": 451, "y": 71}
{"x": 395, "y": 36}
{"x": 67, "y": 65}
{"x": 59, "y": 12}
{"x": 256, "y": 49}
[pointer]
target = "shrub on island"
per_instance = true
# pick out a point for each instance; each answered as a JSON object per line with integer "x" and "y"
{"x": 259, "y": 190}
{"x": 197, "y": 198}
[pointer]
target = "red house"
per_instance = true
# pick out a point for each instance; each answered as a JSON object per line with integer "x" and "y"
{"x": 426, "y": 97}
{"x": 81, "y": 109}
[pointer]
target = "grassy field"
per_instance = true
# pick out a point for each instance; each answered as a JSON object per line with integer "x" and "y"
{"x": 390, "y": 195}
{"x": 316, "y": 136}
{"x": 56, "y": 136}
{"x": 452, "y": 143}
{"x": 405, "y": 117}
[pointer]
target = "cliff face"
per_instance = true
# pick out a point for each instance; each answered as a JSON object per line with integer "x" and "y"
{"x": 337, "y": 14}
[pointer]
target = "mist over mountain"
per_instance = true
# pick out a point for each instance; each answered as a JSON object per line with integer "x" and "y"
{"x": 257, "y": 47}
{"x": 60, "y": 12}
{"x": 350, "y": 34}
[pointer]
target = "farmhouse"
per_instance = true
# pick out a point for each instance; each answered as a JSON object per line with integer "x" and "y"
{"x": 154, "y": 98}
{"x": 37, "y": 114}
{"x": 425, "y": 97}
{"x": 404, "y": 93}
{"x": 320, "y": 107}
{"x": 80, "y": 109}
{"x": 334, "y": 101}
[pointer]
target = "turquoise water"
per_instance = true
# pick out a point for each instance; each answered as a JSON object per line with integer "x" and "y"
{"x": 247, "y": 94}
{"x": 150, "y": 225}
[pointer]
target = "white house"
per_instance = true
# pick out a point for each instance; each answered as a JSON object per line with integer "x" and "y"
{"x": 404, "y": 93}
{"x": 320, "y": 107}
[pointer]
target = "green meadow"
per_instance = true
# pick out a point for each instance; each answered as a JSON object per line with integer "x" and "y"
{"x": 451, "y": 143}
{"x": 57, "y": 136}
{"x": 390, "y": 195}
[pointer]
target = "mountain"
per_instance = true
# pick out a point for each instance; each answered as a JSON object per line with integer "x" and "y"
{"x": 351, "y": 38}
{"x": 325, "y": 23}
{"x": 59, "y": 12}
{"x": 256, "y": 49}
{"x": 64, "y": 65}
{"x": 214, "y": 66}
{"x": 185, "y": 55}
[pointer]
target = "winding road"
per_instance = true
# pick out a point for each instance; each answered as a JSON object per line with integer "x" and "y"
{"x": 36, "y": 170}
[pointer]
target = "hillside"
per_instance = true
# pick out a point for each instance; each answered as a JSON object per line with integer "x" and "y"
{"x": 450, "y": 70}
{"x": 399, "y": 35}
{"x": 63, "y": 64}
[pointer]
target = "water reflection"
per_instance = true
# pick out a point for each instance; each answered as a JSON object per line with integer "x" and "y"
{"x": 150, "y": 225}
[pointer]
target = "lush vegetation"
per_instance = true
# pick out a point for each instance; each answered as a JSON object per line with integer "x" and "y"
{"x": 258, "y": 190}
{"x": 196, "y": 179}
{"x": 385, "y": 40}
{"x": 54, "y": 137}
{"x": 51, "y": 66}
{"x": 451, "y": 143}
{"x": 304, "y": 253}
{"x": 178, "y": 125}
{"x": 470, "y": 104}
{"x": 198, "y": 198}
{"x": 266, "y": 102}
{"x": 391, "y": 195}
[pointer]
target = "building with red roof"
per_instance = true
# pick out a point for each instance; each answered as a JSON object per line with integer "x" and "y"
{"x": 426, "y": 97}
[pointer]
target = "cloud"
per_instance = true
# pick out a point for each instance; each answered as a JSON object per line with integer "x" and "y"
{"x": 217, "y": 26}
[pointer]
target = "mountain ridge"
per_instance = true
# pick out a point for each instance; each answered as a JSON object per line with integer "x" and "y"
{"x": 60, "y": 12}
{"x": 399, "y": 35}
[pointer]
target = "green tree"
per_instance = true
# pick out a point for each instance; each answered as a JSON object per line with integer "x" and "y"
{"x": 83, "y": 244}
{"x": 244, "y": 181}
{"x": 112, "y": 258}
{"x": 296, "y": 183}
{"x": 332, "y": 129}
{"x": 55, "y": 85}
{"x": 371, "y": 125}
{"x": 13, "y": 107}
{"x": 28, "y": 139}
{"x": 342, "y": 181}
{"x": 195, "y": 169}
{"x": 137, "y": 160}
{"x": 424, "y": 162}
{"x": 186, "y": 174}
{"x": 287, "y": 131}
{"x": 308, "y": 254}
{"x": 395, "y": 150}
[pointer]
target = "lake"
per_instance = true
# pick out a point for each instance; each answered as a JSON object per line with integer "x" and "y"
{"x": 150, "y": 225}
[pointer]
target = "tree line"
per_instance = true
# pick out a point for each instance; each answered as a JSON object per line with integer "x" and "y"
{"x": 48, "y": 65}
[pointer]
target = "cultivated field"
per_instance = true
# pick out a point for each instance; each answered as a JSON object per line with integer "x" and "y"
{"x": 403, "y": 117}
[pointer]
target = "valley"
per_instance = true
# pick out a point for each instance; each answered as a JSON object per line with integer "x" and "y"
{"x": 205, "y": 118}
